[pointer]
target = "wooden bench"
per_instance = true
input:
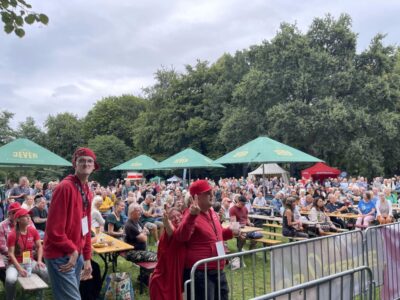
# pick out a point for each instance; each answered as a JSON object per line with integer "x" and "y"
{"x": 33, "y": 283}
{"x": 146, "y": 268}
{"x": 268, "y": 242}
{"x": 277, "y": 234}
{"x": 268, "y": 225}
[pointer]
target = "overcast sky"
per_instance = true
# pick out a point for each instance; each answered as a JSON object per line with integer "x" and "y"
{"x": 97, "y": 48}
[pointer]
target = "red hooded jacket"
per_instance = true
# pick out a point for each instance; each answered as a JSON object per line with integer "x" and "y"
{"x": 64, "y": 227}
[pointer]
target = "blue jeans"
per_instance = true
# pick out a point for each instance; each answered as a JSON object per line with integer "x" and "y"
{"x": 64, "y": 285}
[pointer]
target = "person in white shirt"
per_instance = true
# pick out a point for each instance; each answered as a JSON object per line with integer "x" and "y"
{"x": 97, "y": 220}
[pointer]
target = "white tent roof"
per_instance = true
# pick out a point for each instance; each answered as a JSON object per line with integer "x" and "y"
{"x": 269, "y": 169}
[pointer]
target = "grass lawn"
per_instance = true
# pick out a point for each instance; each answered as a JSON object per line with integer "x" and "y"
{"x": 237, "y": 279}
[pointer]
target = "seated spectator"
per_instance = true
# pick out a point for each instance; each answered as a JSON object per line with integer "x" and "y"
{"x": 39, "y": 215}
{"x": 259, "y": 201}
{"x": 28, "y": 203}
{"x": 226, "y": 205}
{"x": 384, "y": 213}
{"x": 158, "y": 208}
{"x": 239, "y": 213}
{"x": 5, "y": 227}
{"x": 367, "y": 209}
{"x": 149, "y": 217}
{"x": 317, "y": 214}
{"x": 20, "y": 191}
{"x": 334, "y": 206}
{"x": 307, "y": 204}
{"x": 97, "y": 219}
{"x": 288, "y": 223}
{"x": 277, "y": 203}
{"x": 114, "y": 223}
{"x": 136, "y": 235}
{"x": 390, "y": 196}
{"x": 23, "y": 239}
{"x": 107, "y": 204}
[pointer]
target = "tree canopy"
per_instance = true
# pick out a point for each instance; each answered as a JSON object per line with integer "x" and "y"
{"x": 310, "y": 90}
{"x": 16, "y": 13}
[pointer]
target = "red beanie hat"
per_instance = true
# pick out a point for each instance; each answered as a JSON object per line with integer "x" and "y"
{"x": 21, "y": 212}
{"x": 199, "y": 187}
{"x": 14, "y": 207}
{"x": 84, "y": 152}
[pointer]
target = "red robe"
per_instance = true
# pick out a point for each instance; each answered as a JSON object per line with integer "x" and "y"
{"x": 166, "y": 280}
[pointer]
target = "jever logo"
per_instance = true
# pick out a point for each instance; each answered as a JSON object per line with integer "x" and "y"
{"x": 181, "y": 160}
{"x": 281, "y": 152}
{"x": 241, "y": 154}
{"x": 25, "y": 155}
{"x": 136, "y": 164}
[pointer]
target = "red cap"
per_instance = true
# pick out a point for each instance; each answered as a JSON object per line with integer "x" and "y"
{"x": 14, "y": 206}
{"x": 199, "y": 187}
{"x": 84, "y": 152}
{"x": 21, "y": 212}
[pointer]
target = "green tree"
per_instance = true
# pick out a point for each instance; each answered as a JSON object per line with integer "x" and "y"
{"x": 64, "y": 134}
{"x": 6, "y": 132}
{"x": 114, "y": 115}
{"x": 31, "y": 131}
{"x": 16, "y": 13}
{"x": 110, "y": 151}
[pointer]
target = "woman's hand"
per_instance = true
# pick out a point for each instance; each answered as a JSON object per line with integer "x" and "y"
{"x": 40, "y": 265}
{"x": 23, "y": 273}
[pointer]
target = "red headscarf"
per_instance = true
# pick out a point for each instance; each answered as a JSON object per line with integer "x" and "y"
{"x": 84, "y": 152}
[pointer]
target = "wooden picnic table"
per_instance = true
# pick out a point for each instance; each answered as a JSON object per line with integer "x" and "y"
{"x": 245, "y": 229}
{"x": 109, "y": 254}
{"x": 266, "y": 218}
{"x": 336, "y": 215}
{"x": 262, "y": 207}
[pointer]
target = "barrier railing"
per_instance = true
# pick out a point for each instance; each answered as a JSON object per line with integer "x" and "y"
{"x": 267, "y": 271}
{"x": 382, "y": 245}
{"x": 337, "y": 286}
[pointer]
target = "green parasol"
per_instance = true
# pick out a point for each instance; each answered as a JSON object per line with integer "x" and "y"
{"x": 188, "y": 159}
{"x": 265, "y": 150}
{"x": 138, "y": 163}
{"x": 23, "y": 152}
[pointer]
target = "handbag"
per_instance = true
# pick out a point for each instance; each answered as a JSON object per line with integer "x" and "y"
{"x": 119, "y": 287}
{"x": 255, "y": 235}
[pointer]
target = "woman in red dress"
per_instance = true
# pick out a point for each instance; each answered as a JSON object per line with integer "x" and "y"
{"x": 166, "y": 280}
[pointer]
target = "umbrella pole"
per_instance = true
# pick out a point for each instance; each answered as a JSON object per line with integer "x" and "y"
{"x": 189, "y": 177}
{"x": 264, "y": 182}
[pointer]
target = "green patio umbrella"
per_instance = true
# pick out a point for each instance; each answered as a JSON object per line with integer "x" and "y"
{"x": 24, "y": 153}
{"x": 265, "y": 150}
{"x": 188, "y": 159}
{"x": 138, "y": 163}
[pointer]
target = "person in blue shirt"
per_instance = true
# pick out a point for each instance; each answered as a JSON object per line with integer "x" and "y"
{"x": 277, "y": 203}
{"x": 367, "y": 209}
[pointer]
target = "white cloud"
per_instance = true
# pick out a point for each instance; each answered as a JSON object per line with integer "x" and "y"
{"x": 96, "y": 48}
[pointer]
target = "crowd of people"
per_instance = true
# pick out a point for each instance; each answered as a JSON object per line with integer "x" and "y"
{"x": 183, "y": 219}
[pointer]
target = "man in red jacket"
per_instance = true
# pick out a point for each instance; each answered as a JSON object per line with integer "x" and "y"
{"x": 67, "y": 247}
{"x": 204, "y": 238}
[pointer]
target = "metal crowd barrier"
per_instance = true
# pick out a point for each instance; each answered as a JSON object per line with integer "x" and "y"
{"x": 280, "y": 268}
{"x": 337, "y": 286}
{"x": 382, "y": 246}
{"x": 262, "y": 271}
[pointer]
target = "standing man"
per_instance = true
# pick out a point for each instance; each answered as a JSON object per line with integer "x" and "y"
{"x": 204, "y": 238}
{"x": 67, "y": 247}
